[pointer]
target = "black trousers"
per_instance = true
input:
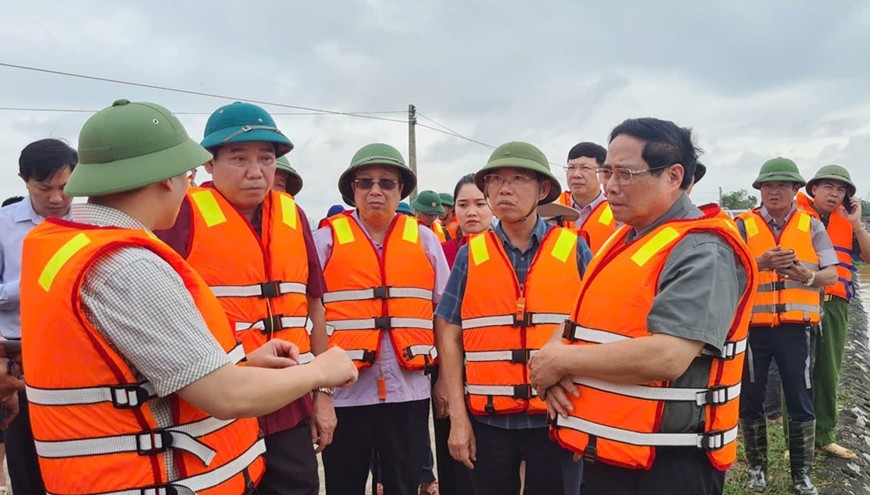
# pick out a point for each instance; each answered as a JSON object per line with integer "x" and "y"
{"x": 453, "y": 477}
{"x": 676, "y": 471}
{"x": 550, "y": 469}
{"x": 399, "y": 432}
{"x": 291, "y": 465}
{"x": 24, "y": 474}
{"x": 790, "y": 345}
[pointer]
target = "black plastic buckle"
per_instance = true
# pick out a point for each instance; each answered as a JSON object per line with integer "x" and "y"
{"x": 381, "y": 292}
{"x": 368, "y": 357}
{"x": 520, "y": 356}
{"x": 164, "y": 489}
{"x": 165, "y": 442}
{"x": 779, "y": 308}
{"x": 383, "y": 323}
{"x": 524, "y": 322}
{"x": 713, "y": 440}
{"x": 272, "y": 324}
{"x": 136, "y": 392}
{"x": 779, "y": 285}
{"x": 729, "y": 350}
{"x": 568, "y": 331}
{"x": 712, "y": 395}
{"x": 270, "y": 289}
{"x": 489, "y": 407}
{"x": 523, "y": 392}
{"x": 590, "y": 453}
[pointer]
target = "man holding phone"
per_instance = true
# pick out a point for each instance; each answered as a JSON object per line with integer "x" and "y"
{"x": 830, "y": 199}
{"x": 795, "y": 261}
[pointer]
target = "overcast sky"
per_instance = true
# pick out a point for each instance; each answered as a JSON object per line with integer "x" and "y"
{"x": 753, "y": 79}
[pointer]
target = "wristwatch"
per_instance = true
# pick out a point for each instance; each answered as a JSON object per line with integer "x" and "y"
{"x": 810, "y": 280}
{"x": 325, "y": 390}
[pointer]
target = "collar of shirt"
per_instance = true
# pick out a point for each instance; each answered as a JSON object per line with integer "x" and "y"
{"x": 592, "y": 204}
{"x": 538, "y": 233}
{"x": 103, "y": 216}
{"x": 359, "y": 221}
{"x": 24, "y": 212}
{"x": 682, "y": 208}
{"x": 772, "y": 221}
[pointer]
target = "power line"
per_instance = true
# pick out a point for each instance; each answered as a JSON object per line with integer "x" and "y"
{"x": 195, "y": 93}
{"x": 82, "y": 110}
{"x": 450, "y": 131}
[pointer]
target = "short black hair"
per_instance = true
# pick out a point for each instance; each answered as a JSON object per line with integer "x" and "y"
{"x": 591, "y": 150}
{"x": 466, "y": 179}
{"x": 11, "y": 200}
{"x": 40, "y": 160}
{"x": 666, "y": 144}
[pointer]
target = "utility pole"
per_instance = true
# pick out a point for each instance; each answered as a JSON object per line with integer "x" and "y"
{"x": 720, "y": 195}
{"x": 412, "y": 143}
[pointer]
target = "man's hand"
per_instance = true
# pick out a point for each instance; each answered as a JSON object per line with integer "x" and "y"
{"x": 855, "y": 217}
{"x": 9, "y": 403}
{"x": 776, "y": 258}
{"x": 558, "y": 397}
{"x": 323, "y": 421}
{"x": 336, "y": 368}
{"x": 546, "y": 365}
{"x": 796, "y": 272}
{"x": 461, "y": 442}
{"x": 10, "y": 377}
{"x": 275, "y": 353}
{"x": 439, "y": 399}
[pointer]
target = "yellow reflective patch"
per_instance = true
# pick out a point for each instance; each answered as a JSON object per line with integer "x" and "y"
{"x": 606, "y": 215}
{"x": 479, "y": 252}
{"x": 67, "y": 251}
{"x": 209, "y": 208}
{"x": 804, "y": 222}
{"x": 751, "y": 227}
{"x": 654, "y": 245}
{"x": 412, "y": 231}
{"x": 342, "y": 230}
{"x": 563, "y": 245}
{"x": 288, "y": 210}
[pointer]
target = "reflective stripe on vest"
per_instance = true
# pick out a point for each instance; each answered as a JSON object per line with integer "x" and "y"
{"x": 377, "y": 293}
{"x": 730, "y": 348}
{"x": 842, "y": 235}
{"x": 699, "y": 396}
{"x": 266, "y": 289}
{"x": 511, "y": 320}
{"x": 713, "y": 440}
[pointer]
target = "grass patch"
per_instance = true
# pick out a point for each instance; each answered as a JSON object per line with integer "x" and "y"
{"x": 778, "y": 473}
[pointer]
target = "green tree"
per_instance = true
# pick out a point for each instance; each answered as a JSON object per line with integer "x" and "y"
{"x": 865, "y": 211}
{"x": 738, "y": 200}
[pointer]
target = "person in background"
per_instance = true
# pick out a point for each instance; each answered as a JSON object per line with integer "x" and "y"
{"x": 584, "y": 194}
{"x": 448, "y": 218}
{"x": 427, "y": 207}
{"x": 830, "y": 198}
{"x": 287, "y": 179}
{"x": 405, "y": 209}
{"x": 45, "y": 167}
{"x": 472, "y": 213}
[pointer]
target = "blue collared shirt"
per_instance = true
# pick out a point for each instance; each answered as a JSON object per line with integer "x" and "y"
{"x": 16, "y": 220}
{"x": 450, "y": 307}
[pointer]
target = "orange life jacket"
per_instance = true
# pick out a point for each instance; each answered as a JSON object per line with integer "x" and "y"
{"x": 841, "y": 234}
{"x": 367, "y": 294}
{"x": 598, "y": 226}
{"x": 259, "y": 280}
{"x": 715, "y": 210}
{"x": 780, "y": 300}
{"x": 439, "y": 231}
{"x": 504, "y": 322}
{"x": 93, "y": 423}
{"x": 619, "y": 424}
{"x": 453, "y": 228}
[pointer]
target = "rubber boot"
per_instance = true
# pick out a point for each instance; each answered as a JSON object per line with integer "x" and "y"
{"x": 755, "y": 445}
{"x": 801, "y": 445}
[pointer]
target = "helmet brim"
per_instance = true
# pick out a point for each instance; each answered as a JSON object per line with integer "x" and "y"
{"x": 100, "y": 179}
{"x": 409, "y": 181}
{"x": 216, "y": 139}
{"x": 522, "y": 163}
{"x": 850, "y": 188}
{"x": 778, "y": 177}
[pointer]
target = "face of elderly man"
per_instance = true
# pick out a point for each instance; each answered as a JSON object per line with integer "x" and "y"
{"x": 376, "y": 191}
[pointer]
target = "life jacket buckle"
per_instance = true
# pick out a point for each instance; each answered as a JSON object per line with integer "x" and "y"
{"x": 779, "y": 285}
{"x": 153, "y": 442}
{"x": 270, "y": 289}
{"x": 729, "y": 350}
{"x": 519, "y": 356}
{"x": 382, "y": 292}
{"x": 383, "y": 323}
{"x": 716, "y": 396}
{"x": 129, "y": 396}
{"x": 713, "y": 440}
{"x": 523, "y": 391}
{"x": 272, "y": 324}
{"x": 568, "y": 331}
{"x": 779, "y": 308}
{"x": 522, "y": 319}
{"x": 368, "y": 357}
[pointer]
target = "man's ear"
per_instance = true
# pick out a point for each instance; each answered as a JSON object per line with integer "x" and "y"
{"x": 544, "y": 190}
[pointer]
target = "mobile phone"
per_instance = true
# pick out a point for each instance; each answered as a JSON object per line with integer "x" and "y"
{"x": 847, "y": 203}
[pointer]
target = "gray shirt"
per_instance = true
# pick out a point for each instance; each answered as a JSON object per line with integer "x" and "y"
{"x": 141, "y": 306}
{"x": 697, "y": 295}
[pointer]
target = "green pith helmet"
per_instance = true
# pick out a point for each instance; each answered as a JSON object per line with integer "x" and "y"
{"x": 446, "y": 199}
{"x": 131, "y": 145}
{"x": 832, "y": 172}
{"x": 405, "y": 209}
{"x": 778, "y": 169}
{"x": 520, "y": 155}
{"x": 428, "y": 202}
{"x": 376, "y": 154}
{"x": 294, "y": 180}
{"x": 244, "y": 123}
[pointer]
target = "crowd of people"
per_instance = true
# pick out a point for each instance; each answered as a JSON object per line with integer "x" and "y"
{"x": 612, "y": 338}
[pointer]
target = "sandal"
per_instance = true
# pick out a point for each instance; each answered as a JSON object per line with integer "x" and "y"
{"x": 429, "y": 488}
{"x": 838, "y": 451}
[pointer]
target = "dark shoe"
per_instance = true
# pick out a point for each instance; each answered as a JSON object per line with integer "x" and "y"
{"x": 756, "y": 482}
{"x": 801, "y": 446}
{"x": 755, "y": 445}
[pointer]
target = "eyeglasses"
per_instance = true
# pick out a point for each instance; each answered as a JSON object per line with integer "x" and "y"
{"x": 624, "y": 175}
{"x": 384, "y": 184}
{"x": 582, "y": 169}
{"x": 498, "y": 180}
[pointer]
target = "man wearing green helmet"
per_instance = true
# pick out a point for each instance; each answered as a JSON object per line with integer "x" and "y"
{"x": 287, "y": 179}
{"x": 384, "y": 273}
{"x": 253, "y": 246}
{"x": 448, "y": 218}
{"x": 830, "y": 198}
{"x": 149, "y": 360}
{"x": 427, "y": 207}
{"x": 498, "y": 309}
{"x": 795, "y": 261}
